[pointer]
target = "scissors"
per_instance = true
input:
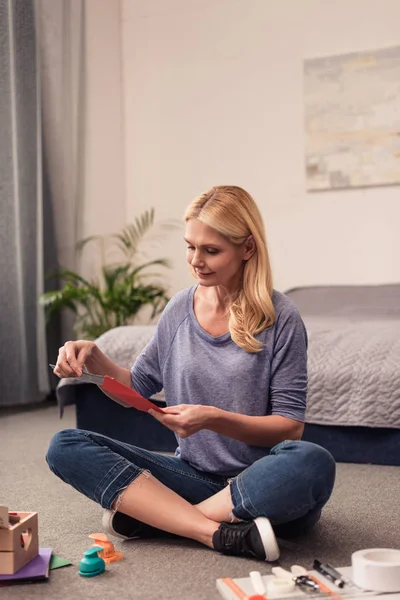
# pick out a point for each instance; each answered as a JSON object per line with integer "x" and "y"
{"x": 87, "y": 377}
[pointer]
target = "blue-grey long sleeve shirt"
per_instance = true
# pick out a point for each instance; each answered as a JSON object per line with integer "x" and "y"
{"x": 195, "y": 367}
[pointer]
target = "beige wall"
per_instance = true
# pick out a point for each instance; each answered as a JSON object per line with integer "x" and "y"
{"x": 104, "y": 206}
{"x": 212, "y": 91}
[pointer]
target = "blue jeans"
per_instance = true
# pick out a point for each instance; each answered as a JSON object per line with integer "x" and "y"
{"x": 289, "y": 486}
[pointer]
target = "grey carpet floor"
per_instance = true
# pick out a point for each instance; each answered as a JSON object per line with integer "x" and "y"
{"x": 362, "y": 513}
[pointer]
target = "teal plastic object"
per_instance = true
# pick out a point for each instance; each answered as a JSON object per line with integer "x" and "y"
{"x": 92, "y": 565}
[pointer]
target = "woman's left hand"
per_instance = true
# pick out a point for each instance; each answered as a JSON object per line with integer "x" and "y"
{"x": 184, "y": 419}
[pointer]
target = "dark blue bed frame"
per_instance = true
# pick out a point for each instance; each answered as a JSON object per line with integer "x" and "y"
{"x": 96, "y": 412}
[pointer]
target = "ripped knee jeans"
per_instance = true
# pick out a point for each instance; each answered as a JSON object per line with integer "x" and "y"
{"x": 289, "y": 485}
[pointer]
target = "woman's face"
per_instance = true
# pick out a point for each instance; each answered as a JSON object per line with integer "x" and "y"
{"x": 215, "y": 260}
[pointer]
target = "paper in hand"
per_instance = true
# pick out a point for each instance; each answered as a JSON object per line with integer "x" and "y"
{"x": 128, "y": 395}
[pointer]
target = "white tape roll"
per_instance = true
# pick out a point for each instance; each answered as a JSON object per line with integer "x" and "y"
{"x": 377, "y": 569}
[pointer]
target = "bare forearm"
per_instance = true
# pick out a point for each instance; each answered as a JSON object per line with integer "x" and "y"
{"x": 100, "y": 364}
{"x": 256, "y": 431}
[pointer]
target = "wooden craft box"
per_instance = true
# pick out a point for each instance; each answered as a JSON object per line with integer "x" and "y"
{"x": 15, "y": 553}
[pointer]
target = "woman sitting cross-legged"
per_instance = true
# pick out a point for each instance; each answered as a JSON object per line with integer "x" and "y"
{"x": 231, "y": 355}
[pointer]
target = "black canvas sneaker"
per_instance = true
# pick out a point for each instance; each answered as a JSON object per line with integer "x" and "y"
{"x": 255, "y": 539}
{"x": 127, "y": 528}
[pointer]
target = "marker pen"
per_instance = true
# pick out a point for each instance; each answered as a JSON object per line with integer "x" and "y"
{"x": 329, "y": 572}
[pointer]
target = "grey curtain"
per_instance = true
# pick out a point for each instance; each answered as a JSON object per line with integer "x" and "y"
{"x": 23, "y": 352}
{"x": 61, "y": 35}
{"x": 40, "y": 111}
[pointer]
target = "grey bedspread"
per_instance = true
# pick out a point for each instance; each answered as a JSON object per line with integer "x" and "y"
{"x": 354, "y": 354}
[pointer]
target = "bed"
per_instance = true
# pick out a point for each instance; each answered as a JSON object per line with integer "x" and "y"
{"x": 353, "y": 406}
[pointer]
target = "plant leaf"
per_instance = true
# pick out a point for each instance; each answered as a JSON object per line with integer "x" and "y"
{"x": 161, "y": 261}
{"x": 131, "y": 235}
{"x": 80, "y": 245}
{"x": 123, "y": 288}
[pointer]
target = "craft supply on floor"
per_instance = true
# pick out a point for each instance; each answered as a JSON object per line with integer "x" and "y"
{"x": 377, "y": 569}
{"x": 257, "y": 582}
{"x": 35, "y": 570}
{"x": 327, "y": 588}
{"x": 19, "y": 542}
{"x": 278, "y": 588}
{"x": 91, "y": 564}
{"x": 108, "y": 554}
{"x": 329, "y": 572}
{"x": 3, "y": 517}
{"x": 57, "y": 562}
{"x": 236, "y": 592}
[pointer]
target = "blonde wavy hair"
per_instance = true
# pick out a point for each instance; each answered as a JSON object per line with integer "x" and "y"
{"x": 232, "y": 212}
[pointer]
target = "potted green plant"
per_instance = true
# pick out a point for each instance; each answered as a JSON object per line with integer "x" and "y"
{"x": 121, "y": 290}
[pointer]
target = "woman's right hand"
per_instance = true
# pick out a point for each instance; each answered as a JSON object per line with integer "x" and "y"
{"x": 72, "y": 358}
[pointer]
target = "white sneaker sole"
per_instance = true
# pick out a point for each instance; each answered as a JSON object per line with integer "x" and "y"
{"x": 106, "y": 522}
{"x": 268, "y": 539}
